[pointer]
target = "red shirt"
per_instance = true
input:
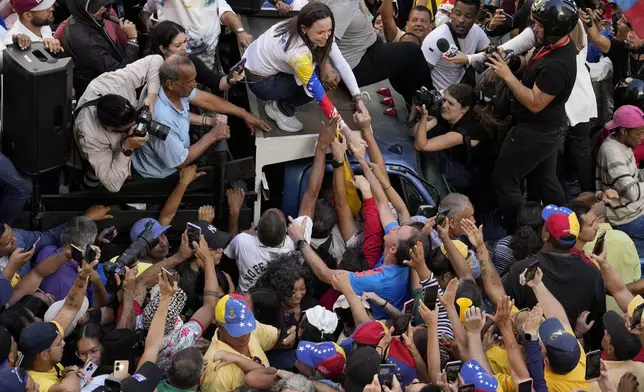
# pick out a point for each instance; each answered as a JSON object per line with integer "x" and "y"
{"x": 575, "y": 251}
{"x": 373, "y": 232}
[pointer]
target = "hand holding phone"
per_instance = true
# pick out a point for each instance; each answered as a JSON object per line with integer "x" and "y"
{"x": 636, "y": 318}
{"x": 599, "y": 244}
{"x": 452, "y": 370}
{"x": 525, "y": 386}
{"x": 440, "y": 218}
{"x": 194, "y": 234}
{"x": 386, "y": 374}
{"x": 531, "y": 271}
{"x": 77, "y": 254}
{"x": 400, "y": 324}
{"x": 431, "y": 294}
{"x": 88, "y": 370}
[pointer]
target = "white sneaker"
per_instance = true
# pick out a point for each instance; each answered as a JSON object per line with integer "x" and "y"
{"x": 285, "y": 123}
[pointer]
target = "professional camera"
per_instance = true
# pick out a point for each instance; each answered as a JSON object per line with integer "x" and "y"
{"x": 432, "y": 99}
{"x": 145, "y": 124}
{"x": 141, "y": 245}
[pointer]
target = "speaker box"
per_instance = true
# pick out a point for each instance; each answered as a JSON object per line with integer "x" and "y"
{"x": 37, "y": 132}
{"x": 247, "y": 7}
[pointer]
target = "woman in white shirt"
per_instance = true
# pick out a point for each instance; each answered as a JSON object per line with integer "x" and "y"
{"x": 281, "y": 66}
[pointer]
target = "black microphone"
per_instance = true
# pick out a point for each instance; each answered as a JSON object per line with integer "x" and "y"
{"x": 111, "y": 18}
{"x": 442, "y": 45}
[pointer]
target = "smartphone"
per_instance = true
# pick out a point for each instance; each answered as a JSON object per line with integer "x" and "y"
{"x": 408, "y": 307}
{"x": 287, "y": 322}
{"x": 599, "y": 244}
{"x": 440, "y": 218}
{"x": 525, "y": 386}
{"x": 77, "y": 254}
{"x": 89, "y": 369}
{"x": 531, "y": 271}
{"x": 109, "y": 236}
{"x": 636, "y": 319}
{"x": 431, "y": 293}
{"x": 112, "y": 385}
{"x": 452, "y": 369}
{"x": 194, "y": 233}
{"x": 386, "y": 374}
{"x": 400, "y": 324}
{"x": 170, "y": 274}
{"x": 237, "y": 68}
{"x": 90, "y": 254}
{"x": 466, "y": 388}
{"x": 35, "y": 243}
{"x": 593, "y": 366}
{"x": 121, "y": 369}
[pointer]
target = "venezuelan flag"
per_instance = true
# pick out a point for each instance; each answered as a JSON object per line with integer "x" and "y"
{"x": 634, "y": 12}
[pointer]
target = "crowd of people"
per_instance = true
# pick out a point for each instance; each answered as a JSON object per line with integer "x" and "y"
{"x": 532, "y": 110}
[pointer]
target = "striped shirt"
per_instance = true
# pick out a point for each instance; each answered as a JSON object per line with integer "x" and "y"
{"x": 503, "y": 256}
{"x": 444, "y": 325}
{"x": 617, "y": 169}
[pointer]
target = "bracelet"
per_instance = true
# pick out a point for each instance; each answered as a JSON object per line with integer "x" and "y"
{"x": 387, "y": 188}
{"x": 385, "y": 305}
{"x": 207, "y": 293}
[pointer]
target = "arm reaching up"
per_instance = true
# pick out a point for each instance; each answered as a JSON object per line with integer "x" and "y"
{"x": 551, "y": 307}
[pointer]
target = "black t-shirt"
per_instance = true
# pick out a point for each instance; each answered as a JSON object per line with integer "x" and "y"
{"x": 466, "y": 126}
{"x": 206, "y": 76}
{"x": 622, "y": 61}
{"x": 554, "y": 74}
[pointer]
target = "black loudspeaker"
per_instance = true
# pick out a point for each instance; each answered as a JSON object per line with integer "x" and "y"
{"x": 247, "y": 7}
{"x": 37, "y": 100}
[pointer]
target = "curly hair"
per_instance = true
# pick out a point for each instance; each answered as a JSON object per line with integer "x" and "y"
{"x": 282, "y": 273}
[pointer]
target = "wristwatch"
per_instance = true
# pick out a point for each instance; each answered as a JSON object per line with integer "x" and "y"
{"x": 240, "y": 30}
{"x": 127, "y": 153}
{"x": 337, "y": 164}
{"x": 599, "y": 195}
{"x": 300, "y": 244}
{"x": 530, "y": 337}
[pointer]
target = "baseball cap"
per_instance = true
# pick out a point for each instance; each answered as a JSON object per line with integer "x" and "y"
{"x": 627, "y": 116}
{"x": 626, "y": 345}
{"x": 562, "y": 349}
{"x": 327, "y": 357}
{"x": 362, "y": 365}
{"x": 233, "y": 314}
{"x": 31, "y": 5}
{"x": 215, "y": 238}
{"x": 53, "y": 310}
{"x": 94, "y": 6}
{"x": 369, "y": 332}
{"x": 635, "y": 302}
{"x": 13, "y": 380}
{"x": 562, "y": 223}
{"x": 36, "y": 338}
{"x": 146, "y": 379}
{"x": 473, "y": 373}
{"x": 139, "y": 226}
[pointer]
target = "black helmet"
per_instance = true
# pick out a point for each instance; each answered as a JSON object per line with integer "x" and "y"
{"x": 630, "y": 91}
{"x": 558, "y": 18}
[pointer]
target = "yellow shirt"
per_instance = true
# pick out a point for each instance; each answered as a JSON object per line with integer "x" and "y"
{"x": 399, "y": 35}
{"x": 621, "y": 254}
{"x": 498, "y": 360}
{"x": 230, "y": 377}
{"x": 142, "y": 265}
{"x": 571, "y": 381}
{"x": 616, "y": 370}
{"x": 47, "y": 379}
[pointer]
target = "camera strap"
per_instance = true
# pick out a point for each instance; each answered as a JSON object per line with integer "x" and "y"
{"x": 469, "y": 77}
{"x": 93, "y": 102}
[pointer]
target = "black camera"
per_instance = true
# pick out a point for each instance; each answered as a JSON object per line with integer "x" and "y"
{"x": 141, "y": 245}
{"x": 432, "y": 99}
{"x": 145, "y": 124}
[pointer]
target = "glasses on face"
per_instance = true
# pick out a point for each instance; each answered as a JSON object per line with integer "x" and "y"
{"x": 94, "y": 352}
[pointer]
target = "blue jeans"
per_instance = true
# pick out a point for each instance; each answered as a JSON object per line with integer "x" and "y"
{"x": 16, "y": 190}
{"x": 281, "y": 88}
{"x": 635, "y": 230}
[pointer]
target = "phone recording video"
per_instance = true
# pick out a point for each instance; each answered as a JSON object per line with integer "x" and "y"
{"x": 386, "y": 374}
{"x": 400, "y": 324}
{"x": 636, "y": 319}
{"x": 599, "y": 244}
{"x": 77, "y": 254}
{"x": 430, "y": 296}
{"x": 593, "y": 365}
{"x": 531, "y": 271}
{"x": 452, "y": 369}
{"x": 194, "y": 233}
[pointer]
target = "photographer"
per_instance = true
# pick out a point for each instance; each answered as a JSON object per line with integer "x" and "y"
{"x": 106, "y": 117}
{"x": 623, "y": 54}
{"x": 531, "y": 147}
{"x": 161, "y": 158}
{"x": 453, "y": 134}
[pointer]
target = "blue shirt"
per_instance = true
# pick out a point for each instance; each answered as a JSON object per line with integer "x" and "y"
{"x": 158, "y": 158}
{"x": 594, "y": 54}
{"x": 25, "y": 239}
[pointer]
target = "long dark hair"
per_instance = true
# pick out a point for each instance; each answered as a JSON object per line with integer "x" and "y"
{"x": 309, "y": 14}
{"x": 162, "y": 35}
{"x": 466, "y": 96}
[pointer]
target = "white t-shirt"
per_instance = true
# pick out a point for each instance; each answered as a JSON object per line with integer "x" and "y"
{"x": 19, "y": 28}
{"x": 444, "y": 73}
{"x": 582, "y": 105}
{"x": 266, "y": 56}
{"x": 253, "y": 257}
{"x": 338, "y": 245}
{"x": 200, "y": 18}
